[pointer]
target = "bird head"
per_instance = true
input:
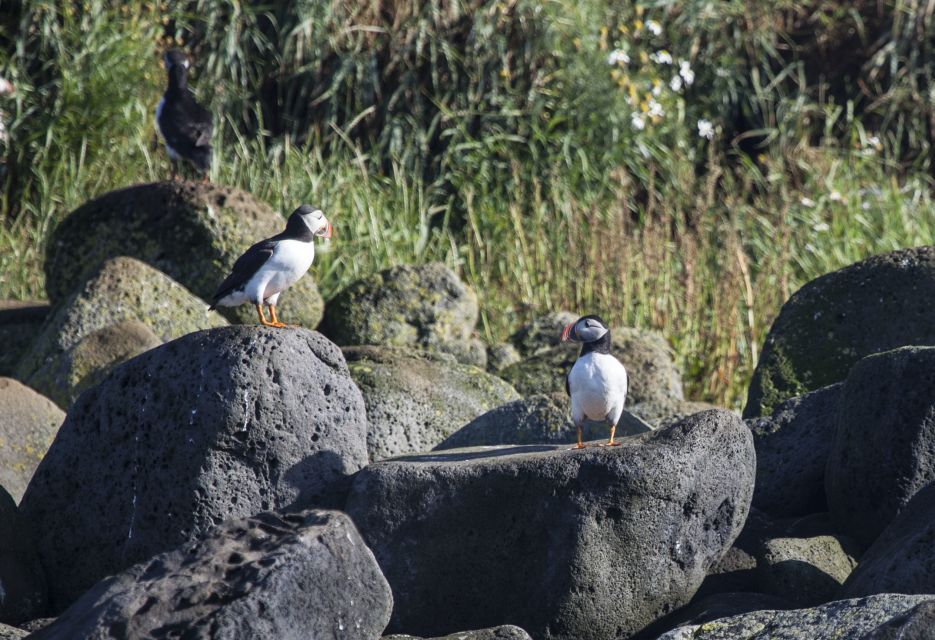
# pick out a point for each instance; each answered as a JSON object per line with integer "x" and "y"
{"x": 314, "y": 219}
{"x": 174, "y": 58}
{"x": 585, "y": 329}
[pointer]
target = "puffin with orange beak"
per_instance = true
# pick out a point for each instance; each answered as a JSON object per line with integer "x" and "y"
{"x": 273, "y": 265}
{"x": 597, "y": 382}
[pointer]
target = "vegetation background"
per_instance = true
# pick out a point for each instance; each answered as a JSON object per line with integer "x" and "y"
{"x": 681, "y": 165}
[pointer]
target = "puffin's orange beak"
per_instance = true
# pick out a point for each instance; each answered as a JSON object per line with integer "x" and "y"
{"x": 328, "y": 232}
{"x": 566, "y": 332}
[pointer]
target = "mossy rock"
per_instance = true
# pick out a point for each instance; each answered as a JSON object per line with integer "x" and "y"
{"x": 28, "y": 424}
{"x": 501, "y": 355}
{"x": 647, "y": 357}
{"x": 541, "y": 333}
{"x": 542, "y": 419}
{"x": 807, "y": 571}
{"x": 871, "y": 306}
{"x": 19, "y": 326}
{"x": 122, "y": 289}
{"x": 425, "y": 306}
{"x": 190, "y": 231}
{"x": 88, "y": 362}
{"x": 417, "y": 399}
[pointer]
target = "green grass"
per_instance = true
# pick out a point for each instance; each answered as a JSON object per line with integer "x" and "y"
{"x": 517, "y": 165}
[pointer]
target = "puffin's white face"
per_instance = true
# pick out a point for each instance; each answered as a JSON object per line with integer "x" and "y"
{"x": 587, "y": 329}
{"x": 318, "y": 223}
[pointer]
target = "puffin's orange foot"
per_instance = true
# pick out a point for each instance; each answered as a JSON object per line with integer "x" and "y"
{"x": 579, "y": 446}
{"x": 611, "y": 444}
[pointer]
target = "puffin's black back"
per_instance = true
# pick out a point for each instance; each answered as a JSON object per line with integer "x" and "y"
{"x": 185, "y": 124}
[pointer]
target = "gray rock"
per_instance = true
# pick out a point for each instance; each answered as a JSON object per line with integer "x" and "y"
{"x": 425, "y": 306}
{"x": 871, "y": 306}
{"x": 35, "y": 624}
{"x": 543, "y": 419}
{"x": 88, "y": 362}
{"x": 11, "y": 633}
{"x": 884, "y": 446}
{"x": 832, "y": 621}
{"x": 541, "y": 333}
{"x": 28, "y": 424}
{"x": 218, "y": 424}
{"x": 505, "y": 632}
{"x": 19, "y": 326}
{"x": 591, "y": 543}
{"x": 792, "y": 447}
{"x": 915, "y": 624}
{"x": 806, "y": 571}
{"x": 902, "y": 560}
{"x": 500, "y": 356}
{"x": 736, "y": 570}
{"x": 122, "y": 289}
{"x": 646, "y": 355}
{"x": 713, "y": 607}
{"x": 665, "y": 412}
{"x": 416, "y": 399}
{"x": 468, "y": 351}
{"x": 22, "y": 584}
{"x": 190, "y": 231}
{"x": 267, "y": 577}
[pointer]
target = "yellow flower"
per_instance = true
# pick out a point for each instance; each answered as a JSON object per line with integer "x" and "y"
{"x": 633, "y": 92}
{"x": 638, "y": 25}
{"x": 623, "y": 29}
{"x": 644, "y": 107}
{"x": 504, "y": 73}
{"x": 644, "y": 57}
{"x": 577, "y": 43}
{"x": 639, "y": 10}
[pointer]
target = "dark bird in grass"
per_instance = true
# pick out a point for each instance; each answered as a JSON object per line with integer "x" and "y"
{"x": 184, "y": 124}
{"x": 270, "y": 267}
{"x": 597, "y": 382}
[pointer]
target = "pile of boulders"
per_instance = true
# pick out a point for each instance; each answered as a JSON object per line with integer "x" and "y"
{"x": 395, "y": 475}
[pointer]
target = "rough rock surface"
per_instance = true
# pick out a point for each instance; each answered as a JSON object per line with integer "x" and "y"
{"x": 28, "y": 424}
{"x": 915, "y": 624}
{"x": 267, "y": 577}
{"x": 832, "y": 621}
{"x": 500, "y": 356}
{"x": 89, "y": 361}
{"x": 504, "y": 632}
{"x": 646, "y": 355}
{"x": 871, "y": 306}
{"x": 806, "y": 571}
{"x": 218, "y": 424}
{"x": 712, "y": 607}
{"x": 792, "y": 447}
{"x": 542, "y": 419}
{"x": 902, "y": 560}
{"x": 122, "y": 289}
{"x": 884, "y": 446}
{"x": 19, "y": 326}
{"x": 11, "y": 633}
{"x": 541, "y": 333}
{"x": 736, "y": 570}
{"x": 426, "y": 306}
{"x": 416, "y": 399}
{"x": 193, "y": 232}
{"x": 22, "y": 585}
{"x": 663, "y": 413}
{"x": 592, "y": 543}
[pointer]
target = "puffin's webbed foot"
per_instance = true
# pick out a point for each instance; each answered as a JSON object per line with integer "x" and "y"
{"x": 274, "y": 322}
{"x": 580, "y": 444}
{"x": 611, "y": 443}
{"x": 264, "y": 321}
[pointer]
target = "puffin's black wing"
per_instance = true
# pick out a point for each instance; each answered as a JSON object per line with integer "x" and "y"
{"x": 568, "y": 384}
{"x": 245, "y": 267}
{"x": 187, "y": 128}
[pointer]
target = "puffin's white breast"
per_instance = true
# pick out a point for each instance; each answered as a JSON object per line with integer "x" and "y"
{"x": 598, "y": 385}
{"x": 289, "y": 262}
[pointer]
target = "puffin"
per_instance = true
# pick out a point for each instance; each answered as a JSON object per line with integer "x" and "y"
{"x": 273, "y": 265}
{"x": 597, "y": 382}
{"x": 185, "y": 125}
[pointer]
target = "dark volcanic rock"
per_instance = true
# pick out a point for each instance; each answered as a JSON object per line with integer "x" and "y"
{"x": 190, "y": 231}
{"x": 736, "y": 569}
{"x": 218, "y": 424}
{"x": 417, "y": 398}
{"x": 592, "y": 543}
{"x": 666, "y": 412}
{"x": 645, "y": 354}
{"x": 902, "y": 560}
{"x": 267, "y": 577}
{"x": 22, "y": 585}
{"x": 543, "y": 419}
{"x": 833, "y": 621}
{"x": 19, "y": 326}
{"x": 505, "y": 632}
{"x": 426, "y": 306}
{"x": 28, "y": 424}
{"x": 884, "y": 446}
{"x": 805, "y": 570}
{"x": 541, "y": 333}
{"x": 871, "y": 306}
{"x": 916, "y": 624}
{"x": 792, "y": 447}
{"x": 713, "y": 607}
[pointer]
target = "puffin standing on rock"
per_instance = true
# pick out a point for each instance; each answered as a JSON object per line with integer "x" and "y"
{"x": 184, "y": 124}
{"x": 270, "y": 267}
{"x": 597, "y": 383}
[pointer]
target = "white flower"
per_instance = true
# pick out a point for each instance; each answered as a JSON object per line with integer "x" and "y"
{"x": 705, "y": 129}
{"x": 654, "y": 27}
{"x": 616, "y": 56}
{"x": 807, "y": 202}
{"x": 721, "y": 72}
{"x": 657, "y": 89}
{"x": 675, "y": 84}
{"x": 655, "y": 109}
{"x": 821, "y": 227}
{"x": 661, "y": 57}
{"x": 835, "y": 196}
{"x": 637, "y": 122}
{"x": 686, "y": 72}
